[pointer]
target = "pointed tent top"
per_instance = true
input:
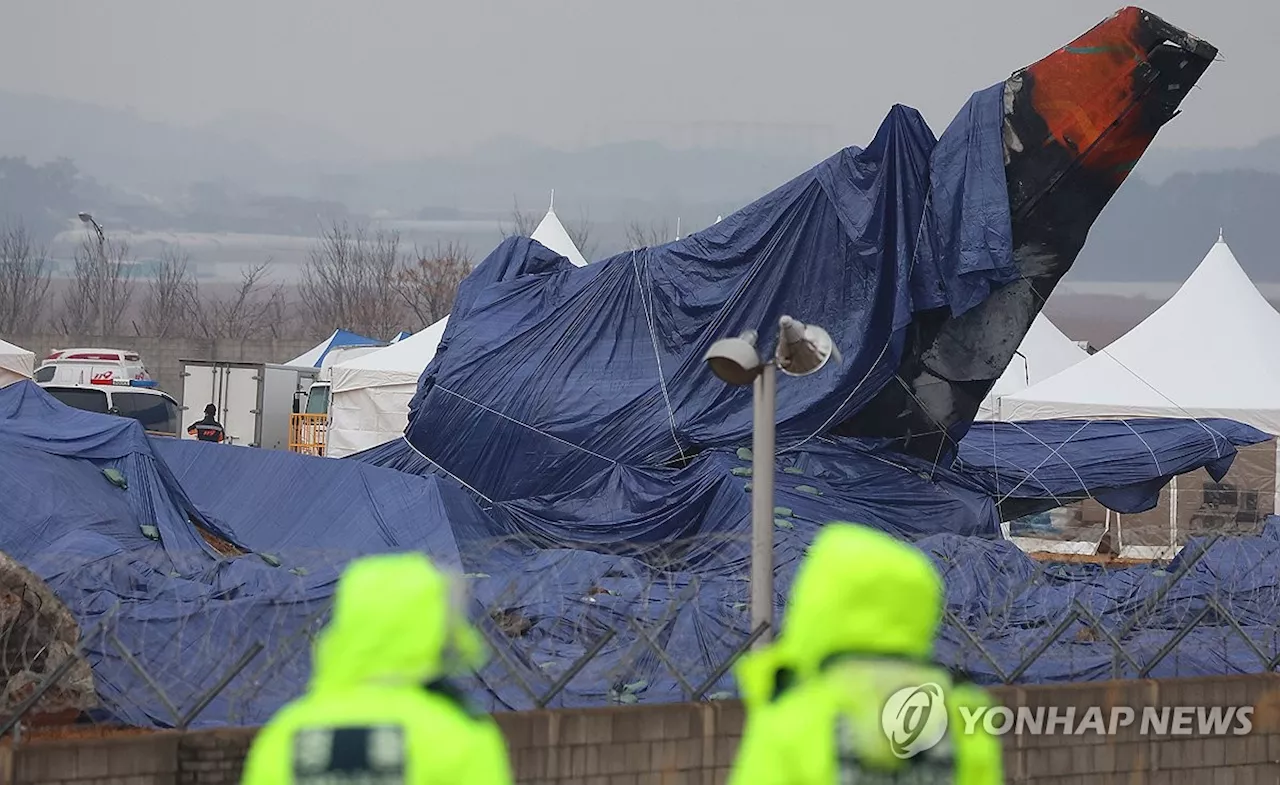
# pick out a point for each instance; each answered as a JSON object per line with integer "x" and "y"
{"x": 553, "y": 235}
{"x": 718, "y": 217}
{"x": 1220, "y": 235}
{"x": 1219, "y": 274}
{"x": 1145, "y": 372}
{"x": 551, "y": 206}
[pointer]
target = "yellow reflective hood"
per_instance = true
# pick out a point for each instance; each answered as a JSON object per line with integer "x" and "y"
{"x": 858, "y": 591}
{"x": 393, "y": 622}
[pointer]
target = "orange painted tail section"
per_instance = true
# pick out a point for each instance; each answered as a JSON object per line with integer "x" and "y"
{"x": 1075, "y": 124}
{"x": 1101, "y": 98}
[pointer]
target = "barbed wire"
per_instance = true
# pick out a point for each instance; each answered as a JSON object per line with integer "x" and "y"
{"x": 574, "y": 627}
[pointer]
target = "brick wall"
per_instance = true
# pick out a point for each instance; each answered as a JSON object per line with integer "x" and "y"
{"x": 162, "y": 355}
{"x": 122, "y": 760}
{"x": 676, "y": 744}
{"x": 696, "y": 743}
{"x": 212, "y": 758}
{"x": 1130, "y": 757}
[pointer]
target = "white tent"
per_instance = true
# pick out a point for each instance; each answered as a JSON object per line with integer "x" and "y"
{"x": 315, "y": 356}
{"x": 369, "y": 404}
{"x": 1210, "y": 351}
{"x": 1044, "y": 351}
{"x": 16, "y": 363}
{"x": 553, "y": 235}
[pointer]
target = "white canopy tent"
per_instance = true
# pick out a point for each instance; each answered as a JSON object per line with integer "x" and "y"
{"x": 1044, "y": 351}
{"x": 371, "y": 394}
{"x": 369, "y": 401}
{"x": 16, "y": 363}
{"x": 1210, "y": 351}
{"x": 316, "y": 356}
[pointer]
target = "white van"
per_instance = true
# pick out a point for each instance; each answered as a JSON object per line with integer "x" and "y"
{"x": 91, "y": 366}
{"x": 319, "y": 393}
{"x": 137, "y": 399}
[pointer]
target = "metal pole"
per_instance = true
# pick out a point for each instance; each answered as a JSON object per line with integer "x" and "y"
{"x": 762, "y": 465}
{"x": 1275, "y": 496}
{"x": 102, "y": 270}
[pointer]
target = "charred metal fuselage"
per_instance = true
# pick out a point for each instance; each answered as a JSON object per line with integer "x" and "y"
{"x": 1075, "y": 124}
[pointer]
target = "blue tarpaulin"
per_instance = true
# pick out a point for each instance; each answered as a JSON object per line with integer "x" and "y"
{"x": 126, "y": 554}
{"x": 1121, "y": 463}
{"x": 102, "y": 514}
{"x": 570, "y": 453}
{"x": 1024, "y": 466}
{"x": 321, "y": 511}
{"x": 549, "y": 575}
{"x": 1011, "y": 605}
{"x": 53, "y": 462}
{"x": 564, "y": 372}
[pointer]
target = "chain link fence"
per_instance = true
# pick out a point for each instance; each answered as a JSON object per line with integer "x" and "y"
{"x": 582, "y": 628}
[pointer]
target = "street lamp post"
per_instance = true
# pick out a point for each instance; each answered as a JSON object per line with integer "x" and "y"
{"x": 802, "y": 349}
{"x": 102, "y": 236}
{"x": 102, "y": 260}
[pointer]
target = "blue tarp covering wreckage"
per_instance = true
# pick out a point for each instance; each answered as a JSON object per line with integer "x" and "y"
{"x": 568, "y": 452}
{"x": 546, "y": 583}
{"x": 565, "y": 372}
{"x": 1122, "y": 463}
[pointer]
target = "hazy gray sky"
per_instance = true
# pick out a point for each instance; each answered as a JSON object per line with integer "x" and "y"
{"x": 398, "y": 78}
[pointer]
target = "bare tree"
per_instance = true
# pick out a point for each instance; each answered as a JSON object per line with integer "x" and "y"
{"x": 252, "y": 310}
{"x": 101, "y": 290}
{"x": 522, "y": 223}
{"x": 352, "y": 281}
{"x": 24, "y": 280}
{"x": 429, "y": 283}
{"x": 580, "y": 233}
{"x": 641, "y": 236}
{"x": 170, "y": 308}
{"x": 282, "y": 314}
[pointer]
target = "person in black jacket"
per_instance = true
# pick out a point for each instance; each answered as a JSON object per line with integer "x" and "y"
{"x": 208, "y": 429}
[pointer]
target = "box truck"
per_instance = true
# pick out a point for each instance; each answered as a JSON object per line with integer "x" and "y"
{"x": 254, "y": 401}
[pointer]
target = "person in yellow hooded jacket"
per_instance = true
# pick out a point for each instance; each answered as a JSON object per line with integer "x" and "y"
{"x": 377, "y": 709}
{"x": 849, "y": 692}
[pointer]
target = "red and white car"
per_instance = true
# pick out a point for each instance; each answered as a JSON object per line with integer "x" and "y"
{"x": 109, "y": 381}
{"x": 91, "y": 366}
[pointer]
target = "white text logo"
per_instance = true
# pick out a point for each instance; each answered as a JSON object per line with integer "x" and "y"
{"x": 1068, "y": 721}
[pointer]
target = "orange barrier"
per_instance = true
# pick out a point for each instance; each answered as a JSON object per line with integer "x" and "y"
{"x": 307, "y": 433}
